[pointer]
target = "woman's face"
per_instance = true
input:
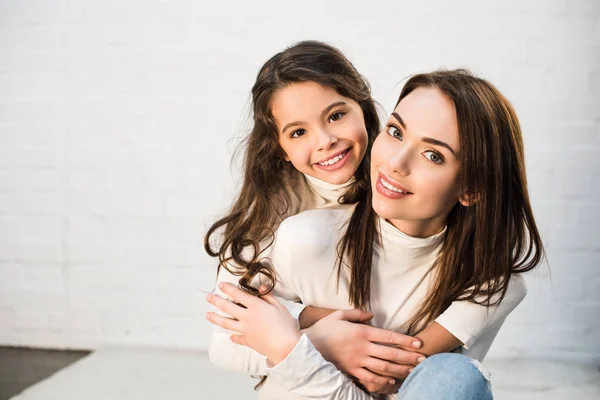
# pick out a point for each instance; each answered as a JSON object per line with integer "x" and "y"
{"x": 322, "y": 133}
{"x": 415, "y": 164}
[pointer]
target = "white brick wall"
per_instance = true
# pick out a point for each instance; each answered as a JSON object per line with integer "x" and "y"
{"x": 118, "y": 120}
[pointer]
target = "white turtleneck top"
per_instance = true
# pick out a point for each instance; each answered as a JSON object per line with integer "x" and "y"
{"x": 304, "y": 255}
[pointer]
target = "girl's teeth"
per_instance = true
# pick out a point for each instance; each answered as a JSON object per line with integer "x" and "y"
{"x": 333, "y": 160}
{"x": 392, "y": 188}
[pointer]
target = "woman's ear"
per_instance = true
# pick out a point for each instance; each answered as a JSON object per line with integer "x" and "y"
{"x": 467, "y": 200}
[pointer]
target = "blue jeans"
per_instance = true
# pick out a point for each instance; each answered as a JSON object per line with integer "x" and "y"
{"x": 447, "y": 376}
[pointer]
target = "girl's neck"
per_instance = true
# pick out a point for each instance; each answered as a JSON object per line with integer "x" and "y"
{"x": 314, "y": 182}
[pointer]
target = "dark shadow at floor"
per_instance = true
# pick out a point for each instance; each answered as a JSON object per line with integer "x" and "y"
{"x": 23, "y": 367}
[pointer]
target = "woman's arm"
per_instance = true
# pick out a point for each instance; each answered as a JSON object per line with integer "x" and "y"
{"x": 311, "y": 315}
{"x": 468, "y": 321}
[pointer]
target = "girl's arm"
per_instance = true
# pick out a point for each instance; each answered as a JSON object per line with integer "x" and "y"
{"x": 228, "y": 355}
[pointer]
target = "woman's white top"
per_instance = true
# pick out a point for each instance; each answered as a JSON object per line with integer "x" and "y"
{"x": 304, "y": 255}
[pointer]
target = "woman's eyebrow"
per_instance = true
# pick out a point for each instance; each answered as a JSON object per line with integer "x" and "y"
{"x": 429, "y": 140}
{"x": 399, "y": 119}
{"x": 436, "y": 142}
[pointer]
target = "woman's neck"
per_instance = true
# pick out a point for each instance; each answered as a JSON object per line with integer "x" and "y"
{"x": 419, "y": 228}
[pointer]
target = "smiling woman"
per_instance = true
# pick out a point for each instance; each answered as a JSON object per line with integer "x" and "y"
{"x": 416, "y": 160}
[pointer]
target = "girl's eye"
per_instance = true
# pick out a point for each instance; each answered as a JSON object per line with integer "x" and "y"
{"x": 434, "y": 157}
{"x": 336, "y": 116}
{"x": 394, "y": 132}
{"x": 297, "y": 133}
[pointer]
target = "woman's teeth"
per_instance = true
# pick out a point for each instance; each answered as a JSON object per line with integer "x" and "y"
{"x": 333, "y": 160}
{"x": 392, "y": 188}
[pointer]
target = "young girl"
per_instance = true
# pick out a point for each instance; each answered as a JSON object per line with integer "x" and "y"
{"x": 437, "y": 248}
{"x": 314, "y": 121}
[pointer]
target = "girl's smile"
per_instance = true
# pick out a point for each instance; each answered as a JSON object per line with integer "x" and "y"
{"x": 321, "y": 132}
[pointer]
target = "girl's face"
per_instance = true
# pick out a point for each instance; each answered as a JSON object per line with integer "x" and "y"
{"x": 322, "y": 133}
{"x": 415, "y": 164}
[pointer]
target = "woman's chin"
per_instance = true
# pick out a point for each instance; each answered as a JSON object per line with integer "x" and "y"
{"x": 384, "y": 209}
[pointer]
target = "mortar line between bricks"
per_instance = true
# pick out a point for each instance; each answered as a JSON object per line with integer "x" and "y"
{"x": 65, "y": 214}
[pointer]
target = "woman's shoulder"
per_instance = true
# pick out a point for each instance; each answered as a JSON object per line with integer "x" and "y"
{"x": 316, "y": 227}
{"x": 329, "y": 218}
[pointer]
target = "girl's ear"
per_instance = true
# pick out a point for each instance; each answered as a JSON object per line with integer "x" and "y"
{"x": 285, "y": 156}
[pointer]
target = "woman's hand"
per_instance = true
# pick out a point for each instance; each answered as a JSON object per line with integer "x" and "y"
{"x": 263, "y": 325}
{"x": 378, "y": 358}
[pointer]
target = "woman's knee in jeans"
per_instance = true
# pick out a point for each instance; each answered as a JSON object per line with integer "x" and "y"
{"x": 447, "y": 375}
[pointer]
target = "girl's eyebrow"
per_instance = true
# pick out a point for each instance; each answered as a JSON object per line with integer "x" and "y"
{"x": 331, "y": 106}
{"x": 325, "y": 111}
{"x": 429, "y": 140}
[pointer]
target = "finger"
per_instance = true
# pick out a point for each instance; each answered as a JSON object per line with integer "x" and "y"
{"x": 226, "y": 306}
{"x": 238, "y": 339}
{"x": 393, "y": 354}
{"x": 370, "y": 379}
{"x": 356, "y": 315}
{"x": 269, "y": 298}
{"x": 263, "y": 289}
{"x": 391, "y": 338}
{"x": 224, "y": 322}
{"x": 387, "y": 368}
{"x": 238, "y": 295}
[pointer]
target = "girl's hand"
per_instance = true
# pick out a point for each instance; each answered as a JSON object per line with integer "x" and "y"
{"x": 379, "y": 359}
{"x": 264, "y": 324}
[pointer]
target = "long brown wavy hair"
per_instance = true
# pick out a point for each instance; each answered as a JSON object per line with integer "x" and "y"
{"x": 484, "y": 243}
{"x": 264, "y": 201}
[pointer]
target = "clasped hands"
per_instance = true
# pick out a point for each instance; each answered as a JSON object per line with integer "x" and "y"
{"x": 378, "y": 359}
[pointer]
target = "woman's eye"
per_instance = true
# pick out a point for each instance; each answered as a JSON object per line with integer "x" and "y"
{"x": 433, "y": 157}
{"x": 297, "y": 133}
{"x": 336, "y": 116}
{"x": 394, "y": 132}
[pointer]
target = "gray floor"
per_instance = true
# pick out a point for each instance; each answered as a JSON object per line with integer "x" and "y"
{"x": 22, "y": 367}
{"x": 154, "y": 374}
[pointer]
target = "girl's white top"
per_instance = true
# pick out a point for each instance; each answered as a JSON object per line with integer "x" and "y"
{"x": 304, "y": 255}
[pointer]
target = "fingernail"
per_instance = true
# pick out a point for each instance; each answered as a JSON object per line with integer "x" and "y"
{"x": 410, "y": 370}
{"x": 421, "y": 359}
{"x": 221, "y": 285}
{"x": 416, "y": 344}
{"x": 207, "y": 316}
{"x": 391, "y": 381}
{"x": 208, "y": 297}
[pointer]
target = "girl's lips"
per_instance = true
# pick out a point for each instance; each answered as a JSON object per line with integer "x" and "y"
{"x": 387, "y": 192}
{"x": 335, "y": 166}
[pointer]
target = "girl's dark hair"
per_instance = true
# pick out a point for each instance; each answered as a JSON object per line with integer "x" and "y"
{"x": 264, "y": 199}
{"x": 484, "y": 243}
